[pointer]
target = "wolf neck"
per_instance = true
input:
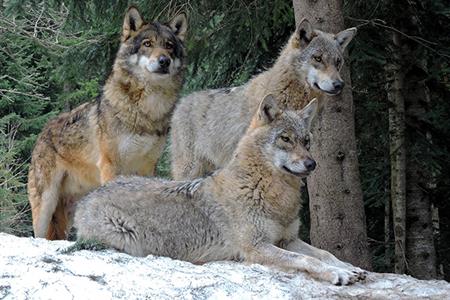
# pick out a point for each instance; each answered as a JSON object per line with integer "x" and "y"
{"x": 249, "y": 180}
{"x": 141, "y": 104}
{"x": 283, "y": 82}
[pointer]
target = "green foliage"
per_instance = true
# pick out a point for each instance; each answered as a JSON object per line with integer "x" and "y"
{"x": 79, "y": 245}
{"x": 163, "y": 167}
{"x": 14, "y": 211}
{"x": 25, "y": 106}
{"x": 234, "y": 40}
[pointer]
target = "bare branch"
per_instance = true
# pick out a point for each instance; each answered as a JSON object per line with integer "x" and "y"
{"x": 381, "y": 23}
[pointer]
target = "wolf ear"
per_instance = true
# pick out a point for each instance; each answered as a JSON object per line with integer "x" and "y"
{"x": 344, "y": 37}
{"x": 304, "y": 33}
{"x": 179, "y": 25}
{"x": 133, "y": 22}
{"x": 268, "y": 110}
{"x": 309, "y": 112}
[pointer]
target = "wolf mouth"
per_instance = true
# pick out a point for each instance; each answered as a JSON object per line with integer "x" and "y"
{"x": 332, "y": 93}
{"x": 162, "y": 71}
{"x": 298, "y": 174}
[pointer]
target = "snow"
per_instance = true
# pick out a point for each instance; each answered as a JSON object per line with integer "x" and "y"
{"x": 37, "y": 269}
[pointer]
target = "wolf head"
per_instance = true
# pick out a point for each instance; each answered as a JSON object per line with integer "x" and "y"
{"x": 284, "y": 136}
{"x": 152, "y": 50}
{"x": 318, "y": 56}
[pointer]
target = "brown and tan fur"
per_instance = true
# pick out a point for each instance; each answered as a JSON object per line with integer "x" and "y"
{"x": 207, "y": 125}
{"x": 123, "y": 132}
{"x": 246, "y": 211}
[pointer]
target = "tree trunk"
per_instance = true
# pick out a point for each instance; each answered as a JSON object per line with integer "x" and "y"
{"x": 420, "y": 251}
{"x": 420, "y": 247}
{"x": 440, "y": 274}
{"x": 387, "y": 233}
{"x": 397, "y": 150}
{"x": 336, "y": 203}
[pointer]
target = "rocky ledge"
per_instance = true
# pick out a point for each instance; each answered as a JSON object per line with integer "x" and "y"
{"x": 38, "y": 269}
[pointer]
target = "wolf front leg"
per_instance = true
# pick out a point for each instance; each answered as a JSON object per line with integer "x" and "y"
{"x": 301, "y": 247}
{"x": 268, "y": 254}
{"x": 107, "y": 168}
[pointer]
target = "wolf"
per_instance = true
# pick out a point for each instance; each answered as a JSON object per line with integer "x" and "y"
{"x": 246, "y": 211}
{"x": 122, "y": 132}
{"x": 207, "y": 125}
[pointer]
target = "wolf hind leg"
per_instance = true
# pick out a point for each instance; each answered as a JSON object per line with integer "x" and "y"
{"x": 58, "y": 226}
{"x": 111, "y": 226}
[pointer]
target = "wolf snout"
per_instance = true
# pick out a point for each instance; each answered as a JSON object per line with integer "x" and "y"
{"x": 164, "y": 61}
{"x": 338, "y": 85}
{"x": 310, "y": 164}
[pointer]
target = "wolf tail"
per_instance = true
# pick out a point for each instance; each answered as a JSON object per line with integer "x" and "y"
{"x": 49, "y": 216}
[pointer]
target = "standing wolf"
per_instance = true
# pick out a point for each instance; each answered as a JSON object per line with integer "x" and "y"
{"x": 123, "y": 132}
{"x": 248, "y": 210}
{"x": 207, "y": 125}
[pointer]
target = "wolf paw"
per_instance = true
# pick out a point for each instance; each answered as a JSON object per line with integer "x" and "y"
{"x": 339, "y": 276}
{"x": 362, "y": 274}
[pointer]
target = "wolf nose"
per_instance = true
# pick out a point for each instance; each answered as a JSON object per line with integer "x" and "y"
{"x": 310, "y": 164}
{"x": 338, "y": 85}
{"x": 164, "y": 61}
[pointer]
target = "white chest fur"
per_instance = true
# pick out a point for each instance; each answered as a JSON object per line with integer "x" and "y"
{"x": 136, "y": 150}
{"x": 158, "y": 105}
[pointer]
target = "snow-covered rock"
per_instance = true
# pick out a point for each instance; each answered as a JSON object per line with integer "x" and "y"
{"x": 39, "y": 269}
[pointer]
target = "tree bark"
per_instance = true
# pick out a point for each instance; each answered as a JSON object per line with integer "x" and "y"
{"x": 420, "y": 250}
{"x": 387, "y": 233}
{"x": 397, "y": 150}
{"x": 336, "y": 203}
{"x": 420, "y": 246}
{"x": 435, "y": 219}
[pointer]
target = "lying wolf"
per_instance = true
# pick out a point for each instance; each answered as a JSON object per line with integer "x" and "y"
{"x": 207, "y": 125}
{"x": 247, "y": 210}
{"x": 123, "y": 132}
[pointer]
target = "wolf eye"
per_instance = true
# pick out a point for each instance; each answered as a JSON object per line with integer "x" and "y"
{"x": 147, "y": 44}
{"x": 306, "y": 142}
{"x": 169, "y": 45}
{"x": 285, "y": 139}
{"x": 318, "y": 58}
